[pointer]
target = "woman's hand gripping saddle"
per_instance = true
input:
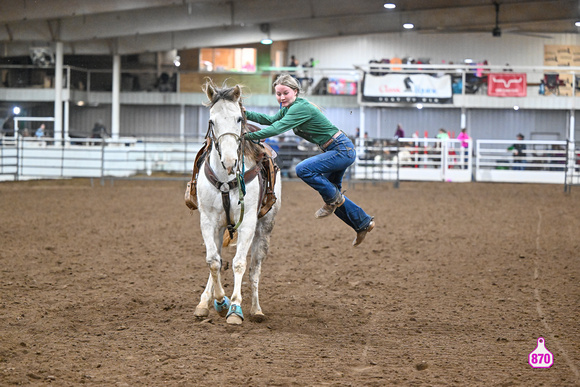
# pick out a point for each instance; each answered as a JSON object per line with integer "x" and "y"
{"x": 267, "y": 174}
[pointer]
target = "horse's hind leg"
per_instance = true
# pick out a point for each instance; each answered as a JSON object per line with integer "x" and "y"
{"x": 260, "y": 248}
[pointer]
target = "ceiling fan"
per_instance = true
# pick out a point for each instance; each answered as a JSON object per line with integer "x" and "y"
{"x": 496, "y": 31}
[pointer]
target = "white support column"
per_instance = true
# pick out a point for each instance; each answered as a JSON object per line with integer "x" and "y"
{"x": 115, "y": 108}
{"x": 360, "y": 142}
{"x": 463, "y": 123}
{"x": 572, "y": 130}
{"x": 182, "y": 123}
{"x": 66, "y": 135}
{"x": 379, "y": 119}
{"x": 200, "y": 125}
{"x": 58, "y": 78}
{"x": 361, "y": 135}
{"x": 570, "y": 149}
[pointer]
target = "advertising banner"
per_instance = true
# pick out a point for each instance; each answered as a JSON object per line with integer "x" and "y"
{"x": 407, "y": 88}
{"x": 507, "y": 85}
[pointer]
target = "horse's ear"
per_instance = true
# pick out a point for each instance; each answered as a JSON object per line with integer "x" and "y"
{"x": 209, "y": 90}
{"x": 237, "y": 92}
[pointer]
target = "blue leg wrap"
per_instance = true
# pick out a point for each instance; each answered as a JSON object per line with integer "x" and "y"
{"x": 237, "y": 310}
{"x": 222, "y": 307}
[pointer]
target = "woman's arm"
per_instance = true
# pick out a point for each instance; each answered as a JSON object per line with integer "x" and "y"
{"x": 294, "y": 117}
{"x": 262, "y": 118}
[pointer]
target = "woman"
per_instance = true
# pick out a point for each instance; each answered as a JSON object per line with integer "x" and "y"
{"x": 324, "y": 171}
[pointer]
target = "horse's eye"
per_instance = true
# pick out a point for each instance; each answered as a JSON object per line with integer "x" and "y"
{"x": 239, "y": 120}
{"x": 211, "y": 122}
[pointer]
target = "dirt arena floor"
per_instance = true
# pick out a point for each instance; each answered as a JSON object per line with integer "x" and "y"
{"x": 98, "y": 285}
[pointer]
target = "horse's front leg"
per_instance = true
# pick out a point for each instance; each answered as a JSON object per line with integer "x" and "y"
{"x": 202, "y": 309}
{"x": 212, "y": 236}
{"x": 245, "y": 237}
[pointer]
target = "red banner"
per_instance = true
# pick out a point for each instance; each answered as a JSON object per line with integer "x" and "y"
{"x": 507, "y": 85}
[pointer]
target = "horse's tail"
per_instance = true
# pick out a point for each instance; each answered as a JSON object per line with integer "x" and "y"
{"x": 228, "y": 240}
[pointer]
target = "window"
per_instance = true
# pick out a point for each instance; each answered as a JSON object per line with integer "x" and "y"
{"x": 228, "y": 59}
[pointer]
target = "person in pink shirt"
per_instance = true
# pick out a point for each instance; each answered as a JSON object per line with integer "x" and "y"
{"x": 464, "y": 137}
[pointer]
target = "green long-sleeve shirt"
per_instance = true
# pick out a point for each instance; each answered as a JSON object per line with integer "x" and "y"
{"x": 306, "y": 119}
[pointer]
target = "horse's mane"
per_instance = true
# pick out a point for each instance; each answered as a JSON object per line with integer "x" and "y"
{"x": 251, "y": 149}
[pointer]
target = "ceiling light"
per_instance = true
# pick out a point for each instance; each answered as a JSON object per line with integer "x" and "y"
{"x": 265, "y": 28}
{"x": 408, "y": 26}
{"x": 389, "y": 6}
{"x": 516, "y": 107}
{"x": 419, "y": 106}
{"x": 577, "y": 24}
{"x": 16, "y": 110}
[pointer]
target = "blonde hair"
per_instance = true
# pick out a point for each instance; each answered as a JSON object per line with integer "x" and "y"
{"x": 291, "y": 82}
{"x": 288, "y": 81}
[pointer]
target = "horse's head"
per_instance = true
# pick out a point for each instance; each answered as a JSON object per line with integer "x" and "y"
{"x": 226, "y": 121}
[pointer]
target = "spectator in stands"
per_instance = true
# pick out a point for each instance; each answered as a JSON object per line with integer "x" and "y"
{"x": 323, "y": 172}
{"x": 464, "y": 138}
{"x": 518, "y": 150}
{"x": 99, "y": 130}
{"x": 399, "y": 133}
{"x": 442, "y": 135}
{"x": 40, "y": 131}
{"x": 293, "y": 61}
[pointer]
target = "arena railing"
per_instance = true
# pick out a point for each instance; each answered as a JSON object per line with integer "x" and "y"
{"x": 130, "y": 157}
{"x": 404, "y": 159}
{"x": 572, "y": 166}
{"x": 541, "y": 162}
{"x": 418, "y": 159}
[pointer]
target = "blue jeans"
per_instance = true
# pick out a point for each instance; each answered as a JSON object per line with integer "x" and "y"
{"x": 324, "y": 173}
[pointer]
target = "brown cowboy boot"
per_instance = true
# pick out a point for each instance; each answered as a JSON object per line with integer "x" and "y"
{"x": 328, "y": 209}
{"x": 360, "y": 236}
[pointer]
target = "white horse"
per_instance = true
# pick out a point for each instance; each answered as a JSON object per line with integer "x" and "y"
{"x": 226, "y": 160}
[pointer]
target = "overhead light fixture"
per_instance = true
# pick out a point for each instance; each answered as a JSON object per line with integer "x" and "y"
{"x": 390, "y": 6}
{"x": 408, "y": 26}
{"x": 516, "y": 107}
{"x": 265, "y": 28}
{"x": 177, "y": 61}
{"x": 419, "y": 106}
{"x": 577, "y": 24}
{"x": 16, "y": 110}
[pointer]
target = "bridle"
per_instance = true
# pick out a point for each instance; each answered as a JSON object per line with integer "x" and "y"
{"x": 216, "y": 141}
{"x": 238, "y": 181}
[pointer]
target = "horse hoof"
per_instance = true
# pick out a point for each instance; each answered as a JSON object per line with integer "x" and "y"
{"x": 235, "y": 315}
{"x": 222, "y": 307}
{"x": 201, "y": 312}
{"x": 258, "y": 317}
{"x": 234, "y": 319}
